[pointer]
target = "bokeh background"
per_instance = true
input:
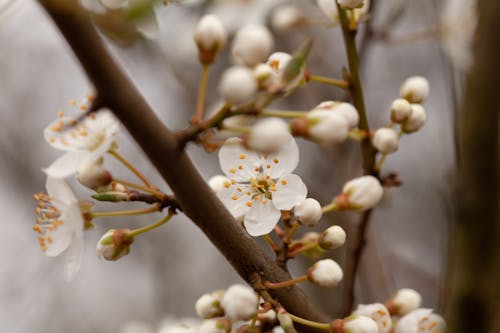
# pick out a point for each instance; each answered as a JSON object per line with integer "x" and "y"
{"x": 168, "y": 269}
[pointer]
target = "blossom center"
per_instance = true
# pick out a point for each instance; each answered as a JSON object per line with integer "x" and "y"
{"x": 48, "y": 219}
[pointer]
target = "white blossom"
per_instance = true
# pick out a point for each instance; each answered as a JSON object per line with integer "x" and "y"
{"x": 405, "y": 301}
{"x": 385, "y": 140}
{"x": 379, "y": 313}
{"x": 60, "y": 224}
{"x": 420, "y": 321}
{"x": 268, "y": 135}
{"x": 286, "y": 17}
{"x": 85, "y": 142}
{"x": 238, "y": 85}
{"x": 327, "y": 127}
{"x": 332, "y": 238}
{"x": 360, "y": 324}
{"x": 208, "y": 305}
{"x": 346, "y": 110}
{"x": 308, "y": 212}
{"x": 416, "y": 119}
{"x": 415, "y": 89}
{"x": 93, "y": 175}
{"x": 400, "y": 110}
{"x": 326, "y": 273}
{"x": 240, "y": 303}
{"x": 210, "y": 34}
{"x": 252, "y": 45}
{"x": 217, "y": 182}
{"x": 260, "y": 186}
{"x": 363, "y": 193}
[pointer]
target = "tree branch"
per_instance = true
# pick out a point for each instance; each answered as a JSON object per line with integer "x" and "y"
{"x": 196, "y": 199}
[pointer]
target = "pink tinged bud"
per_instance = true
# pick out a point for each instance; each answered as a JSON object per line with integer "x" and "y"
{"x": 240, "y": 303}
{"x": 416, "y": 119}
{"x": 326, "y": 273}
{"x": 415, "y": 89}
{"x": 361, "y": 193}
{"x": 359, "y": 324}
{"x": 208, "y": 305}
{"x": 308, "y": 212}
{"x": 238, "y": 85}
{"x": 405, "y": 301}
{"x": 114, "y": 244}
{"x": 210, "y": 37}
{"x": 252, "y": 45}
{"x": 332, "y": 238}
{"x": 351, "y": 4}
{"x": 268, "y": 136}
{"x": 94, "y": 176}
{"x": 385, "y": 140}
{"x": 400, "y": 110}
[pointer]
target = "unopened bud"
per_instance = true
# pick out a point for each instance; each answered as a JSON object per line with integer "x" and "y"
{"x": 208, "y": 305}
{"x": 279, "y": 61}
{"x": 268, "y": 136}
{"x": 359, "y": 324}
{"x": 218, "y": 183}
{"x": 415, "y": 89}
{"x": 332, "y": 238}
{"x": 252, "y": 45}
{"x": 286, "y": 17}
{"x": 416, "y": 119}
{"x": 360, "y": 194}
{"x": 351, "y": 4}
{"x": 238, "y": 85}
{"x": 265, "y": 75}
{"x": 379, "y": 313}
{"x": 405, "y": 301}
{"x": 346, "y": 110}
{"x": 308, "y": 212}
{"x": 400, "y": 110}
{"x": 240, "y": 303}
{"x": 327, "y": 127}
{"x": 326, "y": 273}
{"x": 114, "y": 244}
{"x": 93, "y": 175}
{"x": 385, "y": 140}
{"x": 210, "y": 37}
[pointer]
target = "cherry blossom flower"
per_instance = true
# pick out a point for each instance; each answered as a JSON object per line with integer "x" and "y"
{"x": 85, "y": 142}
{"x": 60, "y": 224}
{"x": 420, "y": 321}
{"x": 260, "y": 185}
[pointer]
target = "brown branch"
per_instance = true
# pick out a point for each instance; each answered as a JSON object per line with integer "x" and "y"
{"x": 196, "y": 199}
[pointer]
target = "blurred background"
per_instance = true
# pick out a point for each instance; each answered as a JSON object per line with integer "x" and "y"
{"x": 167, "y": 270}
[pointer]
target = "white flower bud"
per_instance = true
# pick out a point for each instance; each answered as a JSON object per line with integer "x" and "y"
{"x": 214, "y": 326}
{"x": 360, "y": 324}
{"x": 351, "y": 4}
{"x": 400, "y": 110}
{"x": 416, "y": 119}
{"x": 286, "y": 17}
{"x": 114, "y": 244}
{"x": 265, "y": 75}
{"x": 348, "y": 111}
{"x": 379, "y": 313}
{"x": 209, "y": 34}
{"x": 329, "y": 8}
{"x": 327, "y": 127}
{"x": 405, "y": 301}
{"x": 218, "y": 183}
{"x": 252, "y": 45}
{"x": 326, "y": 273}
{"x": 268, "y": 135}
{"x": 415, "y": 89}
{"x": 308, "y": 212}
{"x": 238, "y": 85}
{"x": 93, "y": 175}
{"x": 385, "y": 140}
{"x": 240, "y": 303}
{"x": 208, "y": 305}
{"x": 332, "y": 238}
{"x": 363, "y": 192}
{"x": 278, "y": 61}
{"x": 421, "y": 321}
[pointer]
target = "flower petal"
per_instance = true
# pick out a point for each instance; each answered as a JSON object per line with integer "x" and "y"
{"x": 59, "y": 138}
{"x": 290, "y": 191}
{"x": 261, "y": 218}
{"x": 60, "y": 239}
{"x": 237, "y": 162}
{"x": 234, "y": 200}
{"x": 74, "y": 257}
{"x": 283, "y": 162}
{"x": 60, "y": 191}
{"x": 67, "y": 164}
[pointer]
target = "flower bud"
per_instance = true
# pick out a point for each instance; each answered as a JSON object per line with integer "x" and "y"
{"x": 218, "y": 183}
{"x": 350, "y": 4}
{"x": 252, "y": 45}
{"x": 415, "y": 89}
{"x": 238, "y": 85}
{"x": 265, "y": 75}
{"x": 405, "y": 301}
{"x": 210, "y": 37}
{"x": 359, "y": 324}
{"x": 400, "y": 110}
{"x": 215, "y": 326}
{"x": 240, "y": 303}
{"x": 93, "y": 175}
{"x": 326, "y": 273}
{"x": 327, "y": 127}
{"x": 286, "y": 17}
{"x": 385, "y": 140}
{"x": 360, "y": 194}
{"x": 279, "y": 61}
{"x": 208, "y": 305}
{"x": 329, "y": 8}
{"x": 268, "y": 135}
{"x": 422, "y": 321}
{"x": 348, "y": 111}
{"x": 332, "y": 238}
{"x": 416, "y": 119}
{"x": 308, "y": 212}
{"x": 379, "y": 313}
{"x": 114, "y": 244}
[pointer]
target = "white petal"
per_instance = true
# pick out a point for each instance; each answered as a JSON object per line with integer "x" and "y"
{"x": 261, "y": 218}
{"x": 283, "y": 162}
{"x": 236, "y": 207}
{"x": 74, "y": 257}
{"x": 67, "y": 165}
{"x": 57, "y": 138}
{"x": 61, "y": 238}
{"x": 60, "y": 191}
{"x": 290, "y": 191}
{"x": 237, "y": 162}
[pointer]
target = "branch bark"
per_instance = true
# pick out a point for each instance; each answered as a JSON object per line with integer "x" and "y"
{"x": 162, "y": 147}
